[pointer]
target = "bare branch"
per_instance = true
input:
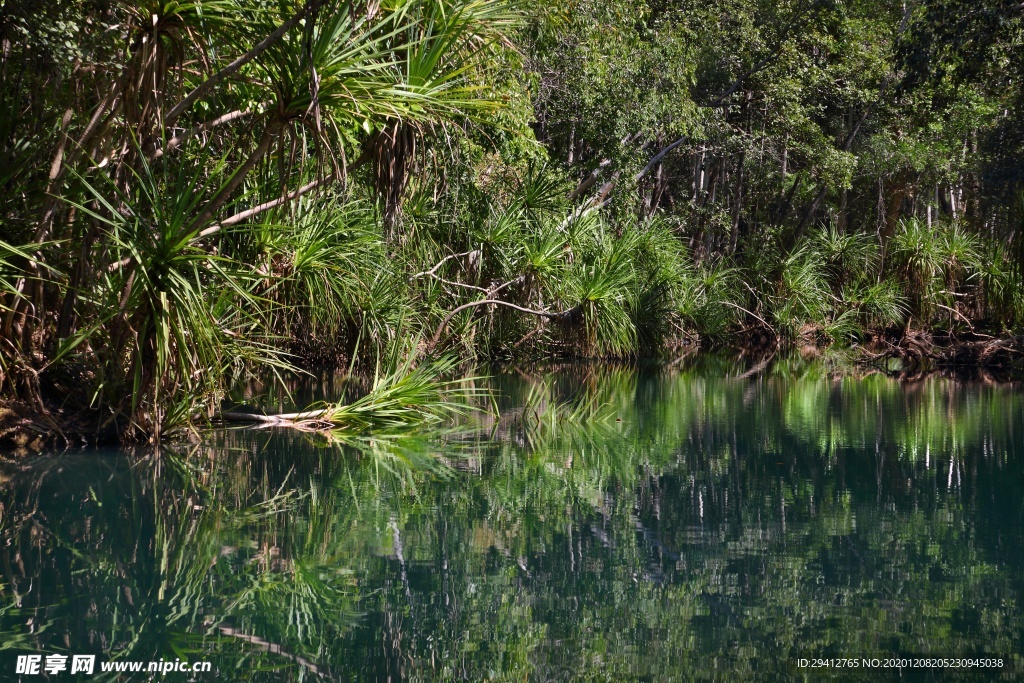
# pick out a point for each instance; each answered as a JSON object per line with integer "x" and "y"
{"x": 560, "y": 315}
{"x": 513, "y": 281}
{"x": 179, "y": 140}
{"x": 461, "y": 284}
{"x": 659, "y": 156}
{"x": 266, "y": 206}
{"x": 439, "y": 264}
{"x": 589, "y": 181}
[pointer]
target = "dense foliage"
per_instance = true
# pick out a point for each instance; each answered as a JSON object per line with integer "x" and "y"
{"x": 195, "y": 190}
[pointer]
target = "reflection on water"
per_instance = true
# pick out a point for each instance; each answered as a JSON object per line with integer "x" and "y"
{"x": 696, "y": 526}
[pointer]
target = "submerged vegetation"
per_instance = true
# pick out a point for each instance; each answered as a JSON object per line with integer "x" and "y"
{"x": 198, "y": 192}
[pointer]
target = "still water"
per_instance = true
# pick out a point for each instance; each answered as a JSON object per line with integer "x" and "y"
{"x": 695, "y": 526}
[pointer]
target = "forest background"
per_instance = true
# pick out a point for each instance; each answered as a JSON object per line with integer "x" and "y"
{"x": 195, "y": 193}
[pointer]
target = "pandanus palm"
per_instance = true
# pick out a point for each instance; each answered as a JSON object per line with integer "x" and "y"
{"x": 176, "y": 320}
{"x": 363, "y": 69}
{"x": 221, "y": 111}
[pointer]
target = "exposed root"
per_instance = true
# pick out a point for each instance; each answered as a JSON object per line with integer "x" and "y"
{"x": 920, "y": 352}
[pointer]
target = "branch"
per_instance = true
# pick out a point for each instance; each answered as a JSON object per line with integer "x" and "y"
{"x": 275, "y": 419}
{"x": 513, "y": 281}
{"x": 439, "y": 264}
{"x": 659, "y": 156}
{"x": 591, "y": 177}
{"x": 236, "y": 179}
{"x": 589, "y": 180}
{"x": 729, "y": 303}
{"x": 461, "y": 284}
{"x": 488, "y": 292}
{"x": 957, "y": 314}
{"x": 544, "y": 314}
{"x": 266, "y": 206}
{"x": 179, "y": 140}
{"x": 217, "y": 78}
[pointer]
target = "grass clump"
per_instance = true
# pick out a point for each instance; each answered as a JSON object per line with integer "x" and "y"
{"x": 407, "y": 398}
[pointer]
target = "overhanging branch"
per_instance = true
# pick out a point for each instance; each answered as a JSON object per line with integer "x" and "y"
{"x": 559, "y": 315}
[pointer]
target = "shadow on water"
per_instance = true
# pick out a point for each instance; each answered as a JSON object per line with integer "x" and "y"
{"x": 614, "y": 524}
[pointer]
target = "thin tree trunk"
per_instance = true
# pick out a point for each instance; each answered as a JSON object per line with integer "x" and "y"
{"x": 787, "y": 200}
{"x": 738, "y": 204}
{"x": 225, "y": 192}
{"x": 974, "y": 189}
{"x": 847, "y": 144}
{"x": 841, "y": 217}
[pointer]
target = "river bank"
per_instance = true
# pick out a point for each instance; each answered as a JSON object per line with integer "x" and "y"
{"x": 253, "y": 211}
{"x": 910, "y": 357}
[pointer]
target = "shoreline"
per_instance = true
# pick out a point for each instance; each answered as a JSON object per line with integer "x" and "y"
{"x": 25, "y": 429}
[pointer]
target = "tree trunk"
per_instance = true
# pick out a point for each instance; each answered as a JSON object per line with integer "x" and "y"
{"x": 737, "y": 204}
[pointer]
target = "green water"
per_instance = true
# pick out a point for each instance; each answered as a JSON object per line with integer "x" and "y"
{"x": 699, "y": 526}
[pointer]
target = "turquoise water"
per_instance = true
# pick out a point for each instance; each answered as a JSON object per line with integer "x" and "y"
{"x": 613, "y": 525}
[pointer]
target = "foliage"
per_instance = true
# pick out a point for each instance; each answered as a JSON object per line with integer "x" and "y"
{"x": 195, "y": 191}
{"x": 406, "y": 399}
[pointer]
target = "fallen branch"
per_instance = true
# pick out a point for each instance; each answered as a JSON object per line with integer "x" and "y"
{"x": 407, "y": 398}
{"x": 916, "y": 350}
{"x": 277, "y": 418}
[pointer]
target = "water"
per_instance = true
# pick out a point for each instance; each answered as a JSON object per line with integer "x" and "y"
{"x": 698, "y": 526}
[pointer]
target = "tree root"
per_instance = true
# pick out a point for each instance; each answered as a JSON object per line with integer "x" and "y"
{"x": 919, "y": 351}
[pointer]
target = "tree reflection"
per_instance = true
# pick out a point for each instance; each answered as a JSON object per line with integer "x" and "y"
{"x": 638, "y": 526}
